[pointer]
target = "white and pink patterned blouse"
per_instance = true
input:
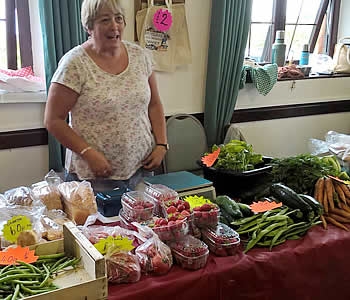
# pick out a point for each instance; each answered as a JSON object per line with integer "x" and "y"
{"x": 111, "y": 113}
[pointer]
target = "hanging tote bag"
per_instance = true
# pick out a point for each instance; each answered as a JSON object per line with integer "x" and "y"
{"x": 170, "y": 48}
{"x": 341, "y": 57}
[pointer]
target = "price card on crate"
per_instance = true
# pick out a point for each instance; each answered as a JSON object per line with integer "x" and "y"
{"x": 15, "y": 226}
{"x": 12, "y": 255}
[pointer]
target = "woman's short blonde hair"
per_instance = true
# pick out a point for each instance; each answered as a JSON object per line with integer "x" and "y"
{"x": 90, "y": 8}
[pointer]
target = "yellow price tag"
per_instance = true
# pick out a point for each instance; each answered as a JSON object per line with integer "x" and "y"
{"x": 15, "y": 226}
{"x": 195, "y": 201}
{"x": 117, "y": 243}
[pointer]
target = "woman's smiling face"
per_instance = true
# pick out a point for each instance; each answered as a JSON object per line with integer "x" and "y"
{"x": 108, "y": 28}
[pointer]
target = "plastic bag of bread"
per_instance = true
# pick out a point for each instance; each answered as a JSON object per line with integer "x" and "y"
{"x": 52, "y": 222}
{"x": 33, "y": 213}
{"x": 78, "y": 200}
{"x": 21, "y": 195}
{"x": 48, "y": 194}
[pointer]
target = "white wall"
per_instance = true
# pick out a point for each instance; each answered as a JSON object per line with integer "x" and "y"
{"x": 184, "y": 92}
{"x": 344, "y": 20}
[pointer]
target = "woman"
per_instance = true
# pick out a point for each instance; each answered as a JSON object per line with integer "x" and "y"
{"x": 107, "y": 86}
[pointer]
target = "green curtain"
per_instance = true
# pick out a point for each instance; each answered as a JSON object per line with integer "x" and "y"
{"x": 61, "y": 30}
{"x": 230, "y": 21}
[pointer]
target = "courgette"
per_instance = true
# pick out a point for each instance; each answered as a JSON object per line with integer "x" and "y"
{"x": 290, "y": 198}
{"x": 315, "y": 205}
{"x": 229, "y": 205}
{"x": 245, "y": 209}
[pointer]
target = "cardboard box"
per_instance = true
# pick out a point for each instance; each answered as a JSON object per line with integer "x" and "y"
{"x": 86, "y": 283}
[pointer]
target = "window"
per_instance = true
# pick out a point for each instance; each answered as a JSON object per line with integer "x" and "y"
{"x": 15, "y": 35}
{"x": 304, "y": 22}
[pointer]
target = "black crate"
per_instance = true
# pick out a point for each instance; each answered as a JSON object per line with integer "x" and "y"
{"x": 109, "y": 202}
{"x": 234, "y": 184}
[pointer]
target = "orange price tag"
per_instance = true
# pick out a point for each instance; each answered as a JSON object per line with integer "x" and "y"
{"x": 210, "y": 159}
{"x": 262, "y": 206}
{"x": 14, "y": 254}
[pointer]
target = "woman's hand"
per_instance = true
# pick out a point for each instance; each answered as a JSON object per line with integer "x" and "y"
{"x": 98, "y": 163}
{"x": 154, "y": 160}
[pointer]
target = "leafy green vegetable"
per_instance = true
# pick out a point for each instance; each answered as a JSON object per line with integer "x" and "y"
{"x": 237, "y": 156}
{"x": 300, "y": 172}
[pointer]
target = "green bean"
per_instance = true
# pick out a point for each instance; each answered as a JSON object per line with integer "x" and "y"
{"x": 31, "y": 267}
{"x": 245, "y": 220}
{"x": 15, "y": 294}
{"x": 267, "y": 243}
{"x": 18, "y": 276}
{"x": 58, "y": 262}
{"x": 34, "y": 292}
{"x": 51, "y": 256}
{"x": 252, "y": 242}
{"x": 46, "y": 277}
{"x": 29, "y": 282}
{"x": 5, "y": 269}
{"x": 274, "y": 240}
{"x": 8, "y": 297}
{"x": 10, "y": 272}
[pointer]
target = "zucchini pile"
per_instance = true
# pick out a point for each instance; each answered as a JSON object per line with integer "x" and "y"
{"x": 297, "y": 215}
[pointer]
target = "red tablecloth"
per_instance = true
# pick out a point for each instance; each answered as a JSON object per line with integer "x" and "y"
{"x": 315, "y": 267}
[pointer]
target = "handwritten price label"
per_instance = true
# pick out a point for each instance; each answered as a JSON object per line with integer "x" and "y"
{"x": 116, "y": 243}
{"x": 12, "y": 255}
{"x": 15, "y": 226}
{"x": 162, "y": 19}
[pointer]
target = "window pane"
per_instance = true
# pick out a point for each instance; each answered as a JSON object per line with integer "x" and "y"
{"x": 3, "y": 56}
{"x": 262, "y": 10}
{"x": 307, "y": 14}
{"x": 301, "y": 36}
{"x": 260, "y": 38}
{"x": 2, "y": 9}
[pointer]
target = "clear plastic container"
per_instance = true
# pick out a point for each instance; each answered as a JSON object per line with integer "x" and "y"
{"x": 190, "y": 252}
{"x": 137, "y": 206}
{"x": 221, "y": 240}
{"x": 161, "y": 194}
{"x": 204, "y": 219}
{"x": 174, "y": 230}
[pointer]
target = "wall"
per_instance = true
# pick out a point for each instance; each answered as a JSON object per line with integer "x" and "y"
{"x": 184, "y": 92}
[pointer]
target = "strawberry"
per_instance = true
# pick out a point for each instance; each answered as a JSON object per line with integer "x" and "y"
{"x": 171, "y": 209}
{"x": 185, "y": 213}
{"x": 186, "y": 204}
{"x": 206, "y": 207}
{"x": 181, "y": 207}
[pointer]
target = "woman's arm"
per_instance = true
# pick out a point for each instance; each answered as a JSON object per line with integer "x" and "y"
{"x": 156, "y": 116}
{"x": 60, "y": 101}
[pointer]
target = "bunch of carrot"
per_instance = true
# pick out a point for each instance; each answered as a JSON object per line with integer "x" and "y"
{"x": 335, "y": 199}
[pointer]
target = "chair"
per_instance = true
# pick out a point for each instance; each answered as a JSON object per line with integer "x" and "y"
{"x": 187, "y": 141}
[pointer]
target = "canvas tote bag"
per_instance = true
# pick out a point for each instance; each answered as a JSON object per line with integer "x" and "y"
{"x": 341, "y": 57}
{"x": 171, "y": 48}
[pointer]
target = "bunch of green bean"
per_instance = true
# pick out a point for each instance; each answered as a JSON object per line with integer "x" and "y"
{"x": 23, "y": 279}
{"x": 272, "y": 227}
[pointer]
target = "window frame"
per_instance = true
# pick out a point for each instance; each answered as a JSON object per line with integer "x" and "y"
{"x": 279, "y": 23}
{"x": 21, "y": 7}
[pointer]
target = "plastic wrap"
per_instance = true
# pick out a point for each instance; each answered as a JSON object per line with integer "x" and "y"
{"x": 21, "y": 195}
{"x": 154, "y": 256}
{"x": 78, "y": 199}
{"x": 52, "y": 222}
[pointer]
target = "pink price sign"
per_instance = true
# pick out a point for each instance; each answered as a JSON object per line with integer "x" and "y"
{"x": 162, "y": 19}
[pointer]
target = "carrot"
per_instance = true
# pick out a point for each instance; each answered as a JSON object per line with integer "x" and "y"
{"x": 336, "y": 223}
{"x": 318, "y": 193}
{"x": 325, "y": 201}
{"x": 324, "y": 222}
{"x": 340, "y": 192}
{"x": 340, "y": 212}
{"x": 339, "y": 218}
{"x": 345, "y": 207}
{"x": 345, "y": 189}
{"x": 329, "y": 190}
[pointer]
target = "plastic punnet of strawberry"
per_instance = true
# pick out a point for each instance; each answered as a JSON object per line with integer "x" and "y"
{"x": 161, "y": 192}
{"x": 137, "y": 205}
{"x": 189, "y": 246}
{"x": 221, "y": 234}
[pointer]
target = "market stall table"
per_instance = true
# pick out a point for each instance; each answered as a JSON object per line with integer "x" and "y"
{"x": 314, "y": 267}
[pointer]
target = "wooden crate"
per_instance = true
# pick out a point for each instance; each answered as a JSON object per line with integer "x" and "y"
{"x": 86, "y": 283}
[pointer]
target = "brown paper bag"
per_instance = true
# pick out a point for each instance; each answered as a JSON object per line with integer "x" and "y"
{"x": 171, "y": 48}
{"x": 341, "y": 57}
